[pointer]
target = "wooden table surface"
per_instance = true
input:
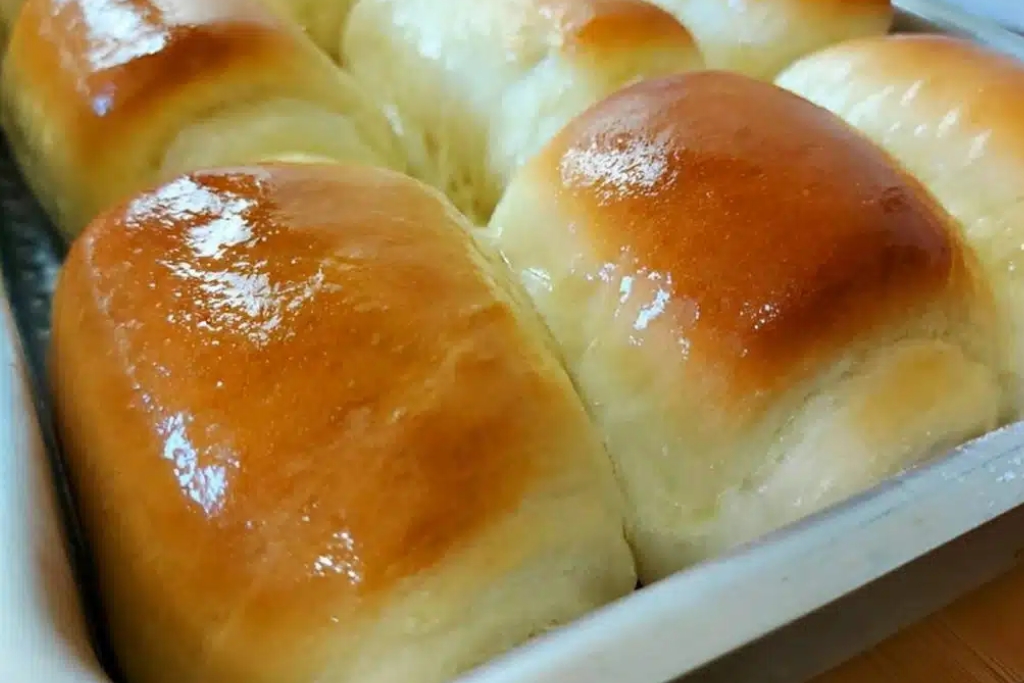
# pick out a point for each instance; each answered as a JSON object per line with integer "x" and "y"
{"x": 979, "y": 639}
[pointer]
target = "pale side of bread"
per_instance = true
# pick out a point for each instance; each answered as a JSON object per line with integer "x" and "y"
{"x": 763, "y": 313}
{"x": 102, "y": 97}
{"x": 475, "y": 88}
{"x": 953, "y": 114}
{"x": 759, "y": 38}
{"x": 323, "y": 20}
{"x": 314, "y": 436}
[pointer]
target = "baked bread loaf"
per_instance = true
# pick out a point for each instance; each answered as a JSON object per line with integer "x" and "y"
{"x": 951, "y": 112}
{"x": 102, "y": 97}
{"x": 763, "y": 313}
{"x": 477, "y": 87}
{"x": 313, "y": 444}
{"x": 759, "y": 38}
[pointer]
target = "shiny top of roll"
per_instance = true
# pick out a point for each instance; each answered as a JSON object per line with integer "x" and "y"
{"x": 305, "y": 394}
{"x": 105, "y": 68}
{"x": 95, "y": 92}
{"x": 950, "y": 87}
{"x": 106, "y": 57}
{"x": 605, "y": 24}
{"x": 756, "y": 230}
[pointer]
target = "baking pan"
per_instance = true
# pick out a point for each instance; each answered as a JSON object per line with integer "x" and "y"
{"x": 779, "y": 610}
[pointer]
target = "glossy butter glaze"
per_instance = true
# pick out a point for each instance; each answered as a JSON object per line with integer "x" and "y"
{"x": 301, "y": 388}
{"x": 102, "y": 98}
{"x": 607, "y": 25}
{"x": 477, "y": 88}
{"x": 271, "y": 344}
{"x": 949, "y": 111}
{"x": 112, "y": 60}
{"x": 763, "y": 313}
{"x": 750, "y": 243}
{"x": 949, "y": 87}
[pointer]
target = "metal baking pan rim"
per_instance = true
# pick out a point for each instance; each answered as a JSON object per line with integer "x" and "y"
{"x": 673, "y": 628}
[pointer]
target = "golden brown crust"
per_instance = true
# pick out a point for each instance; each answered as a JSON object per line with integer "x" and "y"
{"x": 775, "y": 240}
{"x": 108, "y": 60}
{"x": 950, "y": 111}
{"x": 844, "y": 5}
{"x": 978, "y": 88}
{"x": 733, "y": 274}
{"x": 94, "y": 91}
{"x": 477, "y": 88}
{"x": 846, "y": 8}
{"x": 610, "y": 25}
{"x": 310, "y": 406}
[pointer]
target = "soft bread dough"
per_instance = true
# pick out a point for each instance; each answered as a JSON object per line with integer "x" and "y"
{"x": 321, "y": 445}
{"x": 953, "y": 114}
{"x": 759, "y": 38}
{"x": 764, "y": 314}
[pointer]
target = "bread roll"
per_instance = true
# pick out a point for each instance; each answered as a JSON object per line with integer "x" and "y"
{"x": 101, "y": 97}
{"x": 953, "y": 114}
{"x": 760, "y": 37}
{"x": 313, "y": 444}
{"x": 762, "y": 312}
{"x": 476, "y": 87}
